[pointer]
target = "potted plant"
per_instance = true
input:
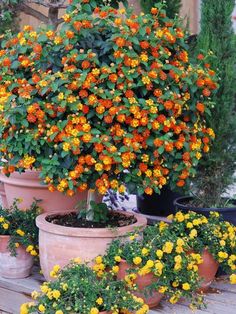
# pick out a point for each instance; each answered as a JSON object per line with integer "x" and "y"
{"x": 216, "y": 170}
{"x": 154, "y": 267}
{"x": 78, "y": 290}
{"x": 18, "y": 240}
{"x": 212, "y": 238}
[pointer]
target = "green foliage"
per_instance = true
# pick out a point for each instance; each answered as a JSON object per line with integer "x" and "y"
{"x": 216, "y": 169}
{"x": 99, "y": 212}
{"x": 20, "y": 226}
{"x": 172, "y": 6}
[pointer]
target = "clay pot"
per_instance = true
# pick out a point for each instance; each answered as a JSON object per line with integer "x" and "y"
{"x": 142, "y": 282}
{"x": 207, "y": 270}
{"x": 27, "y": 186}
{"x": 3, "y": 195}
{"x": 59, "y": 244}
{"x": 14, "y": 267}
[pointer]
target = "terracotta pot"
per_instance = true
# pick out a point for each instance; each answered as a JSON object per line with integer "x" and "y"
{"x": 142, "y": 282}
{"x": 27, "y": 187}
{"x": 14, "y": 267}
{"x": 207, "y": 270}
{"x": 3, "y": 195}
{"x": 58, "y": 244}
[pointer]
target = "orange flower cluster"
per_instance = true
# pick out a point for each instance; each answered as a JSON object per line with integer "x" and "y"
{"x": 109, "y": 99}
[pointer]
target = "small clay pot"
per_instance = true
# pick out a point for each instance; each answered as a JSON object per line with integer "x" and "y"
{"x": 142, "y": 282}
{"x": 207, "y": 270}
{"x": 14, "y": 267}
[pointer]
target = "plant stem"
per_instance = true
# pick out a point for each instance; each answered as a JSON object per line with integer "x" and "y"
{"x": 94, "y": 196}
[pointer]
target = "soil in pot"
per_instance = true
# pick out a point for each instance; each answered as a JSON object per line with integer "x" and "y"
{"x": 71, "y": 220}
{"x": 157, "y": 204}
{"x": 186, "y": 204}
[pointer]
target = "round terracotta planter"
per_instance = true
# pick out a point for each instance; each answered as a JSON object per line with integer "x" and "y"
{"x": 14, "y": 267}
{"x": 3, "y": 195}
{"x": 142, "y": 282}
{"x": 207, "y": 270}
{"x": 27, "y": 187}
{"x": 59, "y": 244}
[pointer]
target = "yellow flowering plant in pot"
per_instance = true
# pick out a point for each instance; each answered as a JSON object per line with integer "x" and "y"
{"x": 155, "y": 266}
{"x": 212, "y": 237}
{"x": 77, "y": 289}
{"x": 18, "y": 240}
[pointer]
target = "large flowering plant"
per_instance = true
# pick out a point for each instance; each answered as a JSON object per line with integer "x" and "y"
{"x": 20, "y": 226}
{"x": 162, "y": 253}
{"x": 77, "y": 289}
{"x": 212, "y": 233}
{"x": 110, "y": 92}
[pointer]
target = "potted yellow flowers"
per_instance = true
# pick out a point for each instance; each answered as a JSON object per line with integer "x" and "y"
{"x": 18, "y": 240}
{"x": 77, "y": 289}
{"x": 212, "y": 237}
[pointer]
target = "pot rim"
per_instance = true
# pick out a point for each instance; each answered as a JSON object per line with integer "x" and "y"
{"x": 177, "y": 202}
{"x": 48, "y": 227}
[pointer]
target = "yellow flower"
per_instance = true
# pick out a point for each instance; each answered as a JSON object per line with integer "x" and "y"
{"x": 179, "y": 217}
{"x": 117, "y": 258}
{"x": 185, "y": 286}
{"x": 115, "y": 269}
{"x": 41, "y": 308}
{"x": 24, "y": 308}
{"x": 159, "y": 253}
{"x": 64, "y": 286}
{"x": 77, "y": 260}
{"x": 162, "y": 289}
{"x": 94, "y": 310}
{"x": 20, "y": 232}
{"x": 223, "y": 255}
{"x": 17, "y": 244}
{"x": 145, "y": 251}
{"x": 193, "y": 233}
{"x": 174, "y": 299}
{"x": 35, "y": 294}
{"x": 180, "y": 242}
{"x": 44, "y": 288}
{"x": 168, "y": 247}
{"x": 1, "y": 219}
{"x": 189, "y": 225}
{"x": 137, "y": 260}
{"x": 5, "y": 226}
{"x": 98, "y": 259}
{"x": 56, "y": 294}
{"x": 178, "y": 259}
{"x": 99, "y": 301}
{"x": 175, "y": 284}
{"x": 233, "y": 279}
{"x": 150, "y": 263}
{"x": 33, "y": 253}
{"x": 29, "y": 248}
{"x": 59, "y": 312}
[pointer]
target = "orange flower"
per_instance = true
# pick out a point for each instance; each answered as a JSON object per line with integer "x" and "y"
{"x": 200, "y": 107}
{"x": 120, "y": 42}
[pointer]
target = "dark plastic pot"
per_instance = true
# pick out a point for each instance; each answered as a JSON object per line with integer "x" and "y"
{"x": 157, "y": 204}
{"x": 228, "y": 213}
